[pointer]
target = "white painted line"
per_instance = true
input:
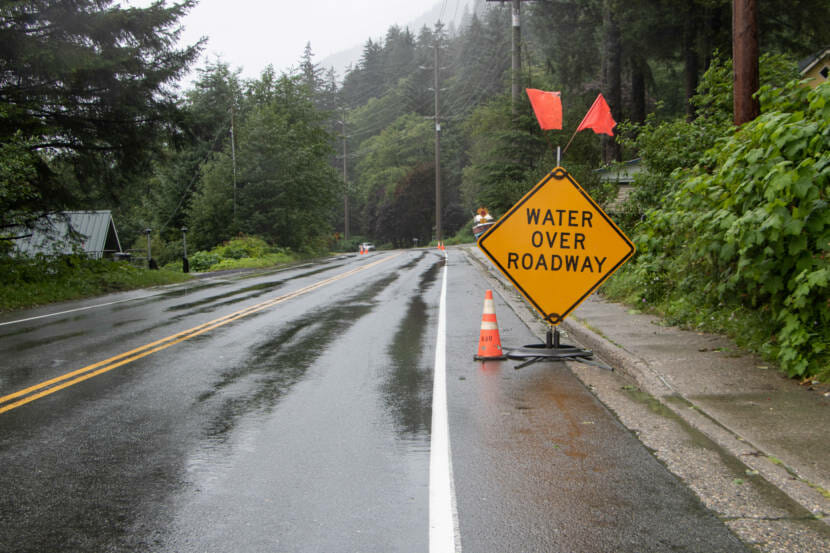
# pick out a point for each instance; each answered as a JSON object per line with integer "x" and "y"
{"x": 443, "y": 515}
{"x": 72, "y": 310}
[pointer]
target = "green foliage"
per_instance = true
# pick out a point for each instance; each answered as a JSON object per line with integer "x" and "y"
{"x": 666, "y": 146}
{"x": 387, "y": 192}
{"x": 202, "y": 260}
{"x": 18, "y": 195}
{"x": 86, "y": 85}
{"x": 26, "y": 282}
{"x": 463, "y": 236}
{"x": 163, "y": 200}
{"x": 244, "y": 246}
{"x": 407, "y": 210}
{"x": 242, "y": 252}
{"x": 285, "y": 187}
{"x": 164, "y": 251}
{"x": 749, "y": 227}
{"x": 506, "y": 158}
{"x": 210, "y": 215}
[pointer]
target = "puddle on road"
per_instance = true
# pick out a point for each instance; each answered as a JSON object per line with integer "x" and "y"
{"x": 126, "y": 322}
{"x": 181, "y": 291}
{"x": 30, "y": 344}
{"x": 242, "y": 294}
{"x": 414, "y": 262}
{"x": 430, "y": 275}
{"x": 326, "y": 265}
{"x": 210, "y": 305}
{"x": 277, "y": 363}
{"x": 407, "y": 391}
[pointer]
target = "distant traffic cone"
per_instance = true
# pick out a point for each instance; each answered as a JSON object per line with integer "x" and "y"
{"x": 489, "y": 342}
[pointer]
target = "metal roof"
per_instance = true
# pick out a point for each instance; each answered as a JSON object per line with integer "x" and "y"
{"x": 90, "y": 232}
{"x": 807, "y": 63}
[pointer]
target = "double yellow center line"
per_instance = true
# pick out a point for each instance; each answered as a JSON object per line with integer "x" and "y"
{"x": 45, "y": 388}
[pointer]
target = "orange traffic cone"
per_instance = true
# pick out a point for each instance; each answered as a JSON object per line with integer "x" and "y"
{"x": 489, "y": 342}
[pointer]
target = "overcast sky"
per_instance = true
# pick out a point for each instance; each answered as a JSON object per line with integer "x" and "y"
{"x": 254, "y": 33}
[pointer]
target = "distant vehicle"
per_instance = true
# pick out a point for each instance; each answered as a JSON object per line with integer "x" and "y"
{"x": 367, "y": 246}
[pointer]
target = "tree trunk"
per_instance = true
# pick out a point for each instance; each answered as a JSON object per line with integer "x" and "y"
{"x": 612, "y": 75}
{"x": 745, "y": 60}
{"x": 690, "y": 58}
{"x": 638, "y": 90}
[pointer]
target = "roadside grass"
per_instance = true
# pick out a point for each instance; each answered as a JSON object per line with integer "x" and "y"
{"x": 224, "y": 264}
{"x": 753, "y": 330}
{"x": 28, "y": 283}
{"x": 463, "y": 236}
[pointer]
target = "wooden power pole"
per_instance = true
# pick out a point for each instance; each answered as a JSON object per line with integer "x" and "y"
{"x": 345, "y": 182}
{"x": 745, "y": 60}
{"x": 516, "y": 63}
{"x": 439, "y": 235}
{"x": 516, "y": 77}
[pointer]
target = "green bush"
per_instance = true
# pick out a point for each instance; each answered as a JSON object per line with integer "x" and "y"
{"x": 202, "y": 261}
{"x": 749, "y": 228}
{"x": 242, "y": 252}
{"x": 242, "y": 246}
{"x": 25, "y": 282}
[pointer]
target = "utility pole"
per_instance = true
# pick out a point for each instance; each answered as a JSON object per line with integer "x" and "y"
{"x": 745, "y": 60}
{"x": 233, "y": 161}
{"x": 516, "y": 64}
{"x": 439, "y": 235}
{"x": 345, "y": 182}
{"x": 516, "y": 86}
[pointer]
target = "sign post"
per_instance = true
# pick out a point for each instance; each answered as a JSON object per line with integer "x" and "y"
{"x": 557, "y": 246}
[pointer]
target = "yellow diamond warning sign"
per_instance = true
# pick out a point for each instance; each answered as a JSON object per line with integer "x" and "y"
{"x": 556, "y": 245}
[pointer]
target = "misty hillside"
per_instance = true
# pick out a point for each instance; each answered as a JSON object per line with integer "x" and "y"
{"x": 450, "y": 14}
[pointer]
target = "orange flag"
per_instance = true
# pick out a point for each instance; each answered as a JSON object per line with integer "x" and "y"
{"x": 547, "y": 106}
{"x": 598, "y": 118}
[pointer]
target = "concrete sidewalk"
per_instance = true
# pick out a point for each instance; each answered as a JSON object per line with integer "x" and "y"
{"x": 754, "y": 445}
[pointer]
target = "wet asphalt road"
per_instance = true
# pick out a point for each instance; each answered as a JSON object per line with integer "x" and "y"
{"x": 290, "y": 411}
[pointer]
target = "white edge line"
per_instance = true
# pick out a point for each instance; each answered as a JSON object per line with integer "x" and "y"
{"x": 47, "y": 315}
{"x": 443, "y": 514}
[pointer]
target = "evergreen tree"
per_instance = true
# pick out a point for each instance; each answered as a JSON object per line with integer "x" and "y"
{"x": 86, "y": 85}
{"x": 398, "y": 55}
{"x": 480, "y": 59}
{"x": 285, "y": 184}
